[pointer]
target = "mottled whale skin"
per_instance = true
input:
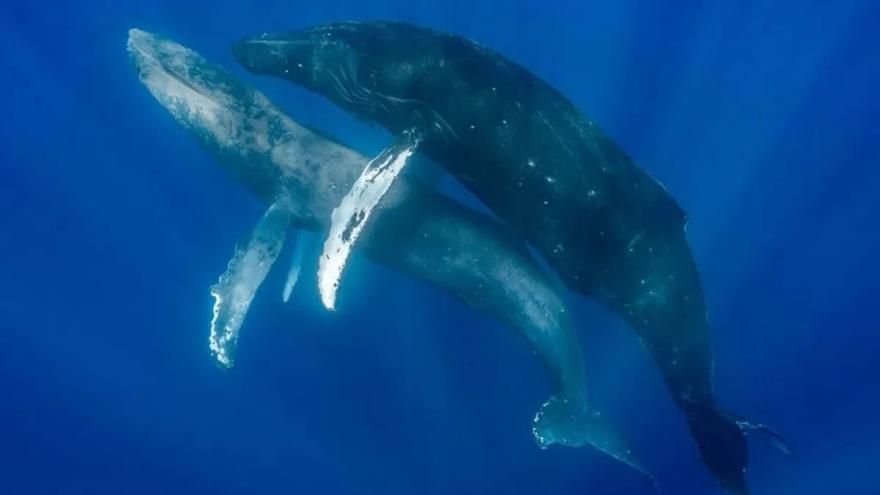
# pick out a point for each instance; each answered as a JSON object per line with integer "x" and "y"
{"x": 611, "y": 231}
{"x": 418, "y": 231}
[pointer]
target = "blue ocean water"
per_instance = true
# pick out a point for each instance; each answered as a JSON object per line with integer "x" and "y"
{"x": 762, "y": 119}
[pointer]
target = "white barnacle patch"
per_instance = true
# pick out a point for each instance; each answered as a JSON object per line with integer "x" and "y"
{"x": 631, "y": 245}
{"x": 349, "y": 218}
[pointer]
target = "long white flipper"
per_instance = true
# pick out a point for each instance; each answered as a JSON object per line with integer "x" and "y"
{"x": 299, "y": 250}
{"x": 348, "y": 219}
{"x": 238, "y": 284}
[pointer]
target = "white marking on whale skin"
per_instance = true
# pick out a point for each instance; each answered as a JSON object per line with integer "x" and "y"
{"x": 630, "y": 246}
{"x": 277, "y": 43}
{"x": 348, "y": 219}
{"x": 555, "y": 133}
{"x": 237, "y": 286}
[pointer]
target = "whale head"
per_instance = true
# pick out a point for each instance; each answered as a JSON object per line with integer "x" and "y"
{"x": 236, "y": 123}
{"x": 378, "y": 71}
{"x": 201, "y": 95}
{"x": 317, "y": 58}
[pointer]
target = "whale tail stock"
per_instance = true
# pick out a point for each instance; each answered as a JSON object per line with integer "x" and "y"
{"x": 570, "y": 423}
{"x": 721, "y": 440}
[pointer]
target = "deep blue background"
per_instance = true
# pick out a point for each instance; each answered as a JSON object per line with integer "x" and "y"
{"x": 762, "y": 118}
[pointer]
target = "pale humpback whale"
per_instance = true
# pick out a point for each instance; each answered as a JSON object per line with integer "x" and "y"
{"x": 611, "y": 231}
{"x": 303, "y": 175}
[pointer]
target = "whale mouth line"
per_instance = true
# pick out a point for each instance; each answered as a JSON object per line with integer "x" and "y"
{"x": 165, "y": 68}
{"x": 189, "y": 85}
{"x": 276, "y": 42}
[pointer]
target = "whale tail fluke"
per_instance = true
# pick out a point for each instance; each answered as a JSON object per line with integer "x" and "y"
{"x": 774, "y": 437}
{"x": 721, "y": 441}
{"x": 566, "y": 422}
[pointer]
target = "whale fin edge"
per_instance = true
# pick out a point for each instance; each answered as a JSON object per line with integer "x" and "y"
{"x": 722, "y": 443}
{"x": 348, "y": 219}
{"x": 237, "y": 286}
{"x": 572, "y": 424}
{"x": 767, "y": 433}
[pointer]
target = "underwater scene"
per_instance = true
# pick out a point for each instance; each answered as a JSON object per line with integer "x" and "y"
{"x": 422, "y": 247}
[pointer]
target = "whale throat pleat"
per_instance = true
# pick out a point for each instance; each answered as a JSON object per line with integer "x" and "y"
{"x": 349, "y": 218}
{"x": 237, "y": 286}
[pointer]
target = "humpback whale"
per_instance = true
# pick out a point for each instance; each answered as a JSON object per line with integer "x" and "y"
{"x": 611, "y": 231}
{"x": 302, "y": 174}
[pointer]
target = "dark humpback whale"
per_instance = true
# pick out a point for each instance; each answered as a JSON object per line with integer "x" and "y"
{"x": 611, "y": 231}
{"x": 303, "y": 174}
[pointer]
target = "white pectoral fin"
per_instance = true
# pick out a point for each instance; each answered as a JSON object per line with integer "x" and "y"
{"x": 348, "y": 219}
{"x": 235, "y": 290}
{"x": 301, "y": 242}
